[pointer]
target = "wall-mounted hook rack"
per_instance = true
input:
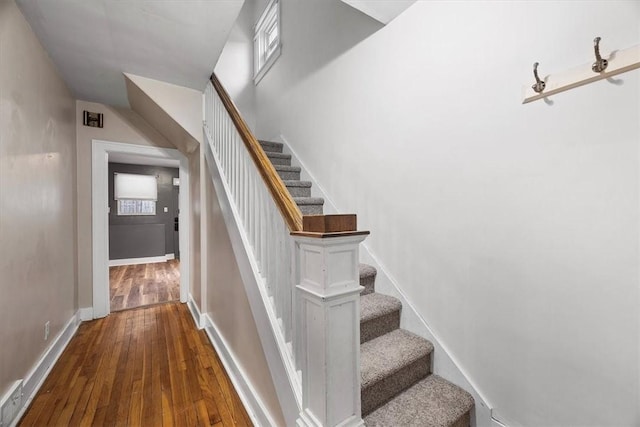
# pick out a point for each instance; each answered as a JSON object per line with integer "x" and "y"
{"x": 617, "y": 62}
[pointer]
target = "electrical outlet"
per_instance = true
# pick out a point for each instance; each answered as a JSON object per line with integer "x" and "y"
{"x": 46, "y": 330}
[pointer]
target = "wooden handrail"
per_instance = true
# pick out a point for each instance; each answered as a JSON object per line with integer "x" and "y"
{"x": 287, "y": 206}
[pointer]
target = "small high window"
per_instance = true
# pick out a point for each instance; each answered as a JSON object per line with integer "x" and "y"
{"x": 266, "y": 40}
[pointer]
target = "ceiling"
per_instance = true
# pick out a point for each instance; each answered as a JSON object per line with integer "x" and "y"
{"x": 92, "y": 42}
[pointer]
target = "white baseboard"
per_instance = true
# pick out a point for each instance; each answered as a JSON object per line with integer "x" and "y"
{"x": 258, "y": 413}
{"x": 498, "y": 420}
{"x": 135, "y": 261}
{"x": 170, "y": 256}
{"x": 36, "y": 376}
{"x": 195, "y": 312}
{"x": 85, "y": 314}
{"x": 496, "y": 423}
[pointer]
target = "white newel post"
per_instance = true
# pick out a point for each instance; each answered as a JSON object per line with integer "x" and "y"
{"x": 328, "y": 289}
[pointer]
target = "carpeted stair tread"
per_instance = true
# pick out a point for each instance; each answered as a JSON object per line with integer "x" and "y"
{"x": 310, "y": 205}
{"x": 279, "y": 158}
{"x": 287, "y": 168}
{"x": 375, "y": 305}
{"x": 432, "y": 402}
{"x": 367, "y": 278}
{"x": 273, "y": 147}
{"x": 298, "y": 188}
{"x": 379, "y": 315}
{"x": 308, "y": 200}
{"x": 389, "y": 353}
{"x": 390, "y": 364}
{"x": 288, "y": 172}
{"x": 297, "y": 183}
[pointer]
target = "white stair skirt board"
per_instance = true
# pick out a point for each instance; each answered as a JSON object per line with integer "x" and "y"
{"x": 445, "y": 364}
{"x": 195, "y": 312}
{"x": 136, "y": 261}
{"x": 39, "y": 372}
{"x": 256, "y": 409}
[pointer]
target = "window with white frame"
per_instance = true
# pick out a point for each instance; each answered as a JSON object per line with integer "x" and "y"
{"x": 266, "y": 40}
{"x": 135, "y": 194}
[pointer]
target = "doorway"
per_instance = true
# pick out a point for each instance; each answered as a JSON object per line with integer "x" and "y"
{"x": 143, "y": 249}
{"x": 140, "y": 272}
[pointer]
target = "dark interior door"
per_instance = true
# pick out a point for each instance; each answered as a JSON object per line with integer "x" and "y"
{"x": 176, "y": 227}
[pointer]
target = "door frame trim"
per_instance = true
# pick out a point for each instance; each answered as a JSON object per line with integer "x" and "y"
{"x": 100, "y": 218}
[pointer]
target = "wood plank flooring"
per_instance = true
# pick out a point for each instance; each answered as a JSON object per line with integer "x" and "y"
{"x": 133, "y": 286}
{"x": 144, "y": 367}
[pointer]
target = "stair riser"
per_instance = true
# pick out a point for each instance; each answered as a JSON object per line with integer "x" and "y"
{"x": 279, "y": 161}
{"x": 463, "y": 421}
{"x": 368, "y": 283}
{"x": 299, "y": 191}
{"x": 311, "y": 209}
{"x": 273, "y": 148}
{"x": 381, "y": 392}
{"x": 289, "y": 175}
{"x": 379, "y": 326}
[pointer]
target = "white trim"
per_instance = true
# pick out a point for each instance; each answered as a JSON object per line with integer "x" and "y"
{"x": 100, "y": 222}
{"x": 256, "y": 409}
{"x": 445, "y": 364}
{"x": 85, "y": 314}
{"x": 495, "y": 422}
{"x": 40, "y": 370}
{"x": 136, "y": 261}
{"x": 270, "y": 16}
{"x": 195, "y": 312}
{"x": 169, "y": 256}
{"x": 267, "y": 65}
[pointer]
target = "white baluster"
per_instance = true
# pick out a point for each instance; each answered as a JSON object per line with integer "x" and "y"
{"x": 263, "y": 225}
{"x": 251, "y": 209}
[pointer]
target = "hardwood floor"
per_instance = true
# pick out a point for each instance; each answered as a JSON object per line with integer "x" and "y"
{"x": 133, "y": 286}
{"x": 144, "y": 367}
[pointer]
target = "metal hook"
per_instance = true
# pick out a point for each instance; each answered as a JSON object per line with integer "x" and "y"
{"x": 540, "y": 85}
{"x": 601, "y": 64}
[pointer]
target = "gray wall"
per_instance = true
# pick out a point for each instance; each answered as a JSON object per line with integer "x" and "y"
{"x": 144, "y": 236}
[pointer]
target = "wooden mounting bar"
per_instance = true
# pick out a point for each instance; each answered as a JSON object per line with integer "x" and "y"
{"x": 287, "y": 206}
{"x": 620, "y": 62}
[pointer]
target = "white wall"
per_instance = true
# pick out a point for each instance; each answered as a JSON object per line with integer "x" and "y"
{"x": 513, "y": 229}
{"x": 235, "y": 65}
{"x": 182, "y": 104}
{"x": 120, "y": 125}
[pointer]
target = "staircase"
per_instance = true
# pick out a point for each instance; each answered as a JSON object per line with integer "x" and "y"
{"x": 397, "y": 386}
{"x": 299, "y": 190}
